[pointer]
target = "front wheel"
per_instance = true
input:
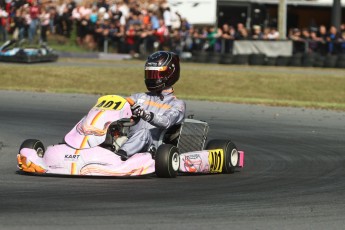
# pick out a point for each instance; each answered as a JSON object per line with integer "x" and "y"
{"x": 167, "y": 161}
{"x": 231, "y": 155}
{"x": 33, "y": 144}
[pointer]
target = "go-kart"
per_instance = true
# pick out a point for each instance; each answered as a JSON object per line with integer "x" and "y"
{"x": 11, "y": 51}
{"x": 89, "y": 149}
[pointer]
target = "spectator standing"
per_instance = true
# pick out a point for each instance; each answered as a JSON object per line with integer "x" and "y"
{"x": 53, "y": 17}
{"x": 68, "y": 17}
{"x": 273, "y": 34}
{"x": 130, "y": 39}
{"x": 266, "y": 32}
{"x": 315, "y": 41}
{"x": 35, "y": 21}
{"x": 116, "y": 14}
{"x": 19, "y": 24}
{"x": 186, "y": 36}
{"x": 305, "y": 34}
{"x": 154, "y": 20}
{"x": 65, "y": 18}
{"x": 176, "y": 21}
{"x": 102, "y": 3}
{"x": 342, "y": 46}
{"x": 26, "y": 15}
{"x": 3, "y": 22}
{"x": 228, "y": 36}
{"x": 333, "y": 39}
{"x": 76, "y": 15}
{"x": 102, "y": 31}
{"x": 212, "y": 36}
{"x": 145, "y": 17}
{"x": 161, "y": 33}
{"x": 257, "y": 33}
{"x": 94, "y": 16}
{"x": 44, "y": 18}
{"x": 322, "y": 34}
{"x": 123, "y": 7}
{"x": 118, "y": 33}
{"x": 89, "y": 25}
{"x": 167, "y": 18}
{"x": 239, "y": 31}
{"x": 147, "y": 38}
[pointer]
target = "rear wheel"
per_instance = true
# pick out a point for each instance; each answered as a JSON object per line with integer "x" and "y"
{"x": 34, "y": 144}
{"x": 167, "y": 161}
{"x": 231, "y": 154}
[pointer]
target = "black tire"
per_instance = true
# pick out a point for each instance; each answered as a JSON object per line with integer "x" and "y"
{"x": 231, "y": 155}
{"x": 296, "y": 60}
{"x": 309, "y": 59}
{"x": 341, "y": 63}
{"x": 34, "y": 144}
{"x": 241, "y": 59}
{"x": 257, "y": 59}
{"x": 282, "y": 61}
{"x": 330, "y": 61}
{"x": 167, "y": 161}
{"x": 270, "y": 61}
{"x": 319, "y": 61}
{"x": 226, "y": 59}
{"x": 200, "y": 57}
{"x": 213, "y": 58}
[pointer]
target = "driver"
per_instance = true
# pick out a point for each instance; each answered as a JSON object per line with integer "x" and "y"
{"x": 157, "y": 109}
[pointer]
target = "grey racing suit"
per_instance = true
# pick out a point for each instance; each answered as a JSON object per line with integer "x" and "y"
{"x": 167, "y": 111}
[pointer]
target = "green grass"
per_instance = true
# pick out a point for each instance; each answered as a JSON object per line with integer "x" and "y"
{"x": 300, "y": 87}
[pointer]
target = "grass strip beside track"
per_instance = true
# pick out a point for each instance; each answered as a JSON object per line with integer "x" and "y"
{"x": 300, "y": 87}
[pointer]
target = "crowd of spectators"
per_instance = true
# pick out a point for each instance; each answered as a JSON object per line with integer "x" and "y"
{"x": 319, "y": 40}
{"x": 137, "y": 26}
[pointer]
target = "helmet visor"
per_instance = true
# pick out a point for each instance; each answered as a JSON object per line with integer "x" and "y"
{"x": 155, "y": 72}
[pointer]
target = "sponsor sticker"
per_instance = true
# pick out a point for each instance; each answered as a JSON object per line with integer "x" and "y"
{"x": 71, "y": 157}
{"x": 193, "y": 163}
{"x": 216, "y": 159}
{"x": 160, "y": 68}
{"x": 193, "y": 157}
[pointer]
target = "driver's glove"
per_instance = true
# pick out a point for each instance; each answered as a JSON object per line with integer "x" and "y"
{"x": 138, "y": 111}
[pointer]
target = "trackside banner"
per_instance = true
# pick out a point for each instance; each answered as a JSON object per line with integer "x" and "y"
{"x": 269, "y": 48}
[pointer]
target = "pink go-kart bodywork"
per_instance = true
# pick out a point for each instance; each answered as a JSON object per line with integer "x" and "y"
{"x": 84, "y": 153}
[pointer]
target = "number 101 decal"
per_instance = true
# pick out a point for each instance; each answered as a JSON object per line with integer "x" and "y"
{"x": 216, "y": 159}
{"x": 110, "y": 102}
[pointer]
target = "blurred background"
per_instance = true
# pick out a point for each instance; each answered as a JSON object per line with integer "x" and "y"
{"x": 258, "y": 32}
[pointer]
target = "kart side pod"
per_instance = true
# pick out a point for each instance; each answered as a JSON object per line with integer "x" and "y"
{"x": 214, "y": 160}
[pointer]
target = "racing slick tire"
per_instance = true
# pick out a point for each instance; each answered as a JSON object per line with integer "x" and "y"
{"x": 167, "y": 161}
{"x": 34, "y": 144}
{"x": 231, "y": 155}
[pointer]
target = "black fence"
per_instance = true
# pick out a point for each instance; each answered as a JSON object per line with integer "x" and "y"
{"x": 298, "y": 59}
{"x": 305, "y": 53}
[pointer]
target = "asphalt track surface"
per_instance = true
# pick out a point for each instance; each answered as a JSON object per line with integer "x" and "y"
{"x": 294, "y": 176}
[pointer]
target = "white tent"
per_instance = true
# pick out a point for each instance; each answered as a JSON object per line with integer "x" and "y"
{"x": 289, "y": 2}
{"x": 195, "y": 11}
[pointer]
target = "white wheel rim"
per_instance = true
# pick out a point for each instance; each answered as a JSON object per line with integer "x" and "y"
{"x": 234, "y": 157}
{"x": 175, "y": 161}
{"x": 40, "y": 152}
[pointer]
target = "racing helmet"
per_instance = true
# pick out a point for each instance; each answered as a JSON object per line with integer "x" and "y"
{"x": 162, "y": 70}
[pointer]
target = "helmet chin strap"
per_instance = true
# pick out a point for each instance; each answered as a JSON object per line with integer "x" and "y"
{"x": 159, "y": 93}
{"x": 161, "y": 96}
